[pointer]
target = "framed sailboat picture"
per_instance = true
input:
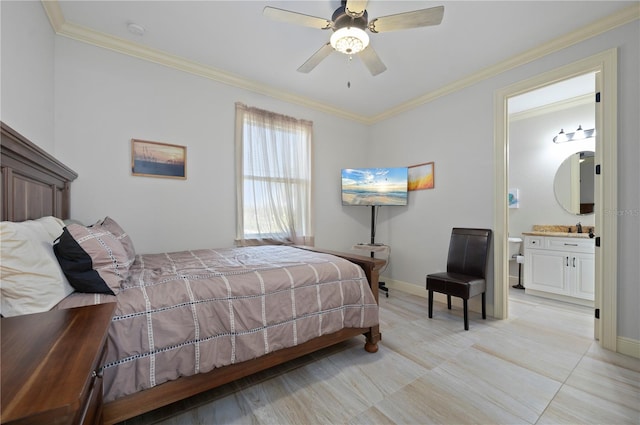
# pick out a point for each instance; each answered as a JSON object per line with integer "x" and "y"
{"x": 154, "y": 159}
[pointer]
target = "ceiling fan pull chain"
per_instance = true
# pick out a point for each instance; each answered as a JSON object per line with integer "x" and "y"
{"x": 349, "y": 71}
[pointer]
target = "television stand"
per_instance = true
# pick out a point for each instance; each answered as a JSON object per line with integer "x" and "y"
{"x": 382, "y": 287}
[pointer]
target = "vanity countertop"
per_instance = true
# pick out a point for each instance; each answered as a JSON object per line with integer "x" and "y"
{"x": 556, "y": 234}
{"x": 558, "y": 231}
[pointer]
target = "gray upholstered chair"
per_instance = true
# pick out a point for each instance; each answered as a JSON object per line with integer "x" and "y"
{"x": 466, "y": 270}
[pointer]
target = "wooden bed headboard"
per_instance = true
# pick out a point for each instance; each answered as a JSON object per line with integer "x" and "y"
{"x": 34, "y": 183}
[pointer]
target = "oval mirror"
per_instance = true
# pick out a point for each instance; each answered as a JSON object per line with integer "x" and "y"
{"x": 574, "y": 183}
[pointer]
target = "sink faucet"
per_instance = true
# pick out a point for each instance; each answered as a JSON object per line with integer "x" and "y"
{"x": 579, "y": 226}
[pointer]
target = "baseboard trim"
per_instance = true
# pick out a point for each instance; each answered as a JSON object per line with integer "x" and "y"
{"x": 558, "y": 297}
{"x": 628, "y": 347}
{"x": 409, "y": 288}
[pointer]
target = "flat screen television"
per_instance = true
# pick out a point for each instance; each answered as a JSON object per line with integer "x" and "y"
{"x": 375, "y": 186}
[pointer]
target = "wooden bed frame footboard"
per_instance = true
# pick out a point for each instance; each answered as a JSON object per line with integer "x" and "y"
{"x": 35, "y": 184}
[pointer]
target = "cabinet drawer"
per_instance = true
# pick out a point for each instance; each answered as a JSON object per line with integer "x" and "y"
{"x": 92, "y": 409}
{"x": 534, "y": 242}
{"x": 570, "y": 244}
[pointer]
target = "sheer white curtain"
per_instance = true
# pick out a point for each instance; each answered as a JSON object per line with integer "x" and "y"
{"x": 273, "y": 178}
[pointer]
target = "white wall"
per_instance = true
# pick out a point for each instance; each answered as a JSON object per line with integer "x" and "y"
{"x": 104, "y": 99}
{"x": 456, "y": 131}
{"x": 628, "y": 212}
{"x": 26, "y": 81}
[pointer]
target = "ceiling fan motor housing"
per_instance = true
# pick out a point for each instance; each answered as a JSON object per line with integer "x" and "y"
{"x": 342, "y": 19}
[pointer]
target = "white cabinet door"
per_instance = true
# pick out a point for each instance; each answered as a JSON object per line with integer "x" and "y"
{"x": 546, "y": 271}
{"x": 583, "y": 269}
{"x": 560, "y": 266}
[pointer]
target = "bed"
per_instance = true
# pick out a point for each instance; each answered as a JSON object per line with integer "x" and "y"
{"x": 255, "y": 330}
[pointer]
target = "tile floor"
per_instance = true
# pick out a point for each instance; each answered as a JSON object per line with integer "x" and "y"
{"x": 541, "y": 366}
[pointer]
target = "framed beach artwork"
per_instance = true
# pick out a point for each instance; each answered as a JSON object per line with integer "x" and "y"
{"x": 154, "y": 159}
{"x": 422, "y": 176}
{"x": 514, "y": 198}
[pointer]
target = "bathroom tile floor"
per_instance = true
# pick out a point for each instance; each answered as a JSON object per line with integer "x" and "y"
{"x": 541, "y": 366}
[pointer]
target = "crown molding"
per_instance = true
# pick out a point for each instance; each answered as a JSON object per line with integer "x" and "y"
{"x": 121, "y": 45}
{"x": 86, "y": 35}
{"x": 54, "y": 13}
{"x": 160, "y": 57}
{"x": 561, "y": 105}
{"x": 618, "y": 19}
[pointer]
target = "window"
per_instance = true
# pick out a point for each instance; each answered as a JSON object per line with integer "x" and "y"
{"x": 273, "y": 178}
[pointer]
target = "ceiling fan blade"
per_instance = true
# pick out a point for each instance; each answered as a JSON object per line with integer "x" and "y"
{"x": 356, "y": 8}
{"x": 296, "y": 18}
{"x": 407, "y": 20}
{"x": 372, "y": 61}
{"x": 316, "y": 58}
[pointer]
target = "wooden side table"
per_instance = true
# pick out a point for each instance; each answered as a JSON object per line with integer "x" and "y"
{"x": 50, "y": 366}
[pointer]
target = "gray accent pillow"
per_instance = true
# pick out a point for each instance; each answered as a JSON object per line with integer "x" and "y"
{"x": 124, "y": 238}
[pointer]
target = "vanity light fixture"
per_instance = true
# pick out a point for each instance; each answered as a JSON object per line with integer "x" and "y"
{"x": 579, "y": 134}
{"x": 561, "y": 137}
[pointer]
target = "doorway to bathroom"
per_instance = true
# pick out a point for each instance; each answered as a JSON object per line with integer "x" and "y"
{"x": 602, "y": 68}
{"x": 551, "y": 187}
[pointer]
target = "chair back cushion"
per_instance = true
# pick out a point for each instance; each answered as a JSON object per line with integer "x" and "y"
{"x": 468, "y": 251}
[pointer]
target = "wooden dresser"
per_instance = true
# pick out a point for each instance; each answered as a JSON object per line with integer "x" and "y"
{"x": 50, "y": 366}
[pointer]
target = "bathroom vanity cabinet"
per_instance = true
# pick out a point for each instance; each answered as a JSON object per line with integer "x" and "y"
{"x": 560, "y": 267}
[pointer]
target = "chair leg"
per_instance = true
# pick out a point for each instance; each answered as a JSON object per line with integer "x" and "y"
{"x": 466, "y": 314}
{"x": 449, "y": 302}
{"x": 484, "y": 306}
{"x": 430, "y": 304}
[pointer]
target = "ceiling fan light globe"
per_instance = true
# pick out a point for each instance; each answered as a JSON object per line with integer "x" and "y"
{"x": 349, "y": 40}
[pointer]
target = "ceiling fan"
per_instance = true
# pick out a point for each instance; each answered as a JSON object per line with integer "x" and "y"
{"x": 349, "y": 23}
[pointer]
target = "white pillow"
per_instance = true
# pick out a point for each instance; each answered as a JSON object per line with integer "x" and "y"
{"x": 32, "y": 280}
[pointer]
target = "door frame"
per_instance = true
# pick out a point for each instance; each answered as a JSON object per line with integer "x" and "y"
{"x": 605, "y": 66}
